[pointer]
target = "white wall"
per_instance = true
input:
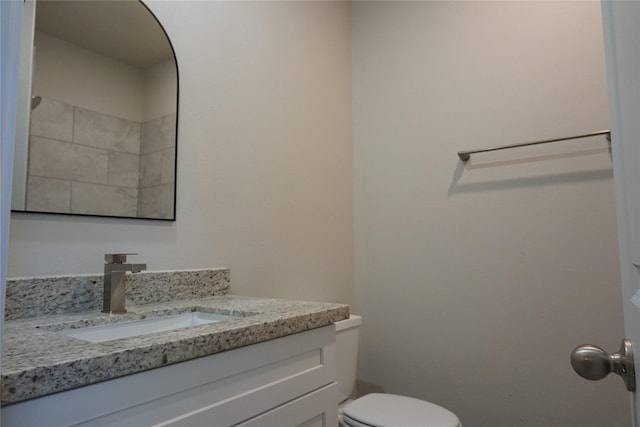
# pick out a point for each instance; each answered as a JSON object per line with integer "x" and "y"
{"x": 472, "y": 281}
{"x": 77, "y": 76}
{"x": 160, "y": 88}
{"x": 476, "y": 282}
{"x": 81, "y": 77}
{"x": 23, "y": 107}
{"x": 264, "y": 158}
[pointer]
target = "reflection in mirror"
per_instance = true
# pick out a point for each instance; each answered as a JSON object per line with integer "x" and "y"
{"x": 102, "y": 134}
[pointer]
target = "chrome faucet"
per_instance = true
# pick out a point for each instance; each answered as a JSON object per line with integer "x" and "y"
{"x": 114, "y": 281}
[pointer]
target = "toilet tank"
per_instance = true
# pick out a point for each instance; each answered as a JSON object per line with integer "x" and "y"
{"x": 347, "y": 332}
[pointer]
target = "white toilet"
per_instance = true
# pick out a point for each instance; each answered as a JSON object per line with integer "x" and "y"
{"x": 376, "y": 409}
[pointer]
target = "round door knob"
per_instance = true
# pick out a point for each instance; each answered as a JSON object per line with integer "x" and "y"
{"x": 593, "y": 363}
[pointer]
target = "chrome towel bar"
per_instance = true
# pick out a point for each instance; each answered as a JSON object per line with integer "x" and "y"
{"x": 466, "y": 155}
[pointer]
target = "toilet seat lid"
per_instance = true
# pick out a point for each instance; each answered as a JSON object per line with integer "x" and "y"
{"x": 390, "y": 410}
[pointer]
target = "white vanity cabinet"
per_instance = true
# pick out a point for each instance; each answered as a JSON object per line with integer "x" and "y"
{"x": 285, "y": 382}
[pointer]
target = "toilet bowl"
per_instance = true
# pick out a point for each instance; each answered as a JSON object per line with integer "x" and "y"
{"x": 378, "y": 409}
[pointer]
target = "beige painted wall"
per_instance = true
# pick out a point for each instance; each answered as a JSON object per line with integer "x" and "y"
{"x": 160, "y": 88}
{"x": 264, "y": 158}
{"x": 77, "y": 76}
{"x": 472, "y": 281}
{"x": 476, "y": 282}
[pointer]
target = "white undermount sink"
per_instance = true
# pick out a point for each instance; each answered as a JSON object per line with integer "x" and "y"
{"x": 142, "y": 327}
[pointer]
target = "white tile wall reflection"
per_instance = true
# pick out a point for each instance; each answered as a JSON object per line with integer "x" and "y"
{"x": 157, "y": 167}
{"x": 85, "y": 162}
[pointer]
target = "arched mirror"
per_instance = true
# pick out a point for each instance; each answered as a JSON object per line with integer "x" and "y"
{"x": 103, "y": 113}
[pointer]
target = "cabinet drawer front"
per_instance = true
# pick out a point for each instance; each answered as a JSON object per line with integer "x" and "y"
{"x": 229, "y": 402}
{"x": 316, "y": 409}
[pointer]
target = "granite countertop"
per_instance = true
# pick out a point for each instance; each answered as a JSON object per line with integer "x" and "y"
{"x": 37, "y": 361}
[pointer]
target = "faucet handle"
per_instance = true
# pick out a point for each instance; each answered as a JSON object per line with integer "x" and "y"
{"x": 117, "y": 258}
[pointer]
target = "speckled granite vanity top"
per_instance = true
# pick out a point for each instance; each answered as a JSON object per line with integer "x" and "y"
{"x": 37, "y": 360}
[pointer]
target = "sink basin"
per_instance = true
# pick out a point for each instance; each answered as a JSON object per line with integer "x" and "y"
{"x": 142, "y": 327}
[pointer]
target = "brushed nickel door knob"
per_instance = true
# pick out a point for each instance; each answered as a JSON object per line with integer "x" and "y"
{"x": 593, "y": 363}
